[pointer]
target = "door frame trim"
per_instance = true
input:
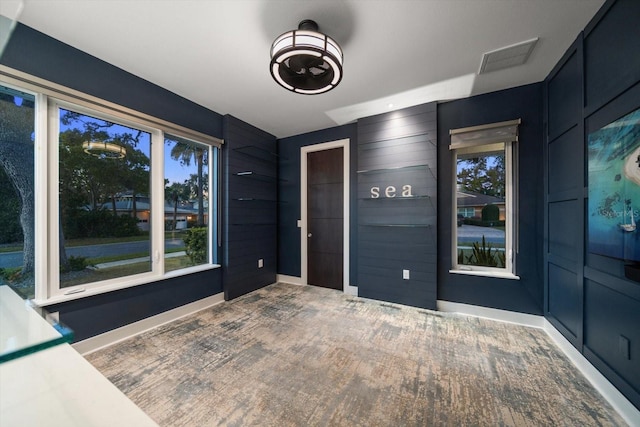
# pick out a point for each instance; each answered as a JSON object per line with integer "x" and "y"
{"x": 304, "y": 151}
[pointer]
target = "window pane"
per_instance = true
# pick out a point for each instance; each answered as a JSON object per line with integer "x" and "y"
{"x": 17, "y": 214}
{"x": 186, "y": 212}
{"x": 480, "y": 207}
{"x": 104, "y": 199}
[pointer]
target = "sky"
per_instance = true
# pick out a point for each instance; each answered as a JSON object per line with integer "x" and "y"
{"x": 174, "y": 170}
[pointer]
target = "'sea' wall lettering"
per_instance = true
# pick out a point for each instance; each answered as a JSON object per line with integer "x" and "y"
{"x": 391, "y": 192}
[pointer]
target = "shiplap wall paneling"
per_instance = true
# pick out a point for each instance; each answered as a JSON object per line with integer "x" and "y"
{"x": 397, "y": 201}
{"x": 251, "y": 208}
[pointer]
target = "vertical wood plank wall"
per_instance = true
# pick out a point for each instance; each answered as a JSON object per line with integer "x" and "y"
{"x": 250, "y": 208}
{"x": 397, "y": 233}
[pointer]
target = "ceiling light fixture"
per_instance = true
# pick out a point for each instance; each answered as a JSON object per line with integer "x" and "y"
{"x": 104, "y": 150}
{"x": 306, "y": 61}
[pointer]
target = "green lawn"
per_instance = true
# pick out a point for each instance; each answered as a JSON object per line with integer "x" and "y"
{"x": 70, "y": 243}
{"x": 90, "y": 276}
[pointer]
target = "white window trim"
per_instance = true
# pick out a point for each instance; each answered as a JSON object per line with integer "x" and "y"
{"x": 49, "y": 97}
{"x": 509, "y": 271}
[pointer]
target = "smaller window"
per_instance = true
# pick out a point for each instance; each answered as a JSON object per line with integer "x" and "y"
{"x": 483, "y": 227}
{"x": 187, "y": 216}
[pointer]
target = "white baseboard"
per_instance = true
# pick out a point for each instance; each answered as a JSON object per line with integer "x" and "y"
{"x": 106, "y": 339}
{"x": 616, "y": 399}
{"x": 292, "y": 280}
{"x": 492, "y": 313}
{"x": 351, "y": 290}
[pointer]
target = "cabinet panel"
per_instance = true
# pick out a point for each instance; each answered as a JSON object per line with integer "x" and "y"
{"x": 565, "y": 298}
{"x": 564, "y": 229}
{"x": 566, "y": 175}
{"x": 611, "y": 331}
{"x": 565, "y": 97}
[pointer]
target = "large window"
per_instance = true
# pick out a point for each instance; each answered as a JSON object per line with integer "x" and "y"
{"x": 104, "y": 204}
{"x": 484, "y": 197}
{"x": 17, "y": 184}
{"x": 109, "y": 198}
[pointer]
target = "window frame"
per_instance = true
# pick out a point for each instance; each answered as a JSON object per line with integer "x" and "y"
{"x": 49, "y": 97}
{"x": 510, "y": 151}
{"x": 464, "y": 215}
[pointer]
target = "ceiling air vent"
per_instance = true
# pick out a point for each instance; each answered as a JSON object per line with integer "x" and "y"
{"x": 506, "y": 57}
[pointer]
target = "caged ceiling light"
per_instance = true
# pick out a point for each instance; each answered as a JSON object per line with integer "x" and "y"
{"x": 104, "y": 150}
{"x": 306, "y": 61}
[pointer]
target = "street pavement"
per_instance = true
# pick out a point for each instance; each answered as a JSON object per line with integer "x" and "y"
{"x": 14, "y": 259}
{"x": 474, "y": 233}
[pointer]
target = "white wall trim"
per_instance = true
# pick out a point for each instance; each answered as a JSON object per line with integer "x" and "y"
{"x": 616, "y": 399}
{"x": 304, "y": 151}
{"x": 114, "y": 336}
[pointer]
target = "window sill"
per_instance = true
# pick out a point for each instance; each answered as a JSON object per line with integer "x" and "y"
{"x": 88, "y": 291}
{"x": 496, "y": 274}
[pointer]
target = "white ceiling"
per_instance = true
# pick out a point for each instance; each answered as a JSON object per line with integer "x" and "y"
{"x": 404, "y": 52}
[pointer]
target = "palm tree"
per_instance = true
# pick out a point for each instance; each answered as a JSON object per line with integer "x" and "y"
{"x": 184, "y": 151}
{"x": 176, "y": 193}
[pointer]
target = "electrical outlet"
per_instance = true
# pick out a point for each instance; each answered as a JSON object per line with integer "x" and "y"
{"x": 260, "y": 263}
{"x": 405, "y": 274}
{"x": 624, "y": 345}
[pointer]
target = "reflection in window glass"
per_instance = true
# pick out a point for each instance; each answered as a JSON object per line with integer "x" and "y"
{"x": 186, "y": 210}
{"x": 480, "y": 206}
{"x": 17, "y": 215}
{"x": 104, "y": 171}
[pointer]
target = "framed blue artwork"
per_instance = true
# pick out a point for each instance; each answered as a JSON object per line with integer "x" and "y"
{"x": 613, "y": 155}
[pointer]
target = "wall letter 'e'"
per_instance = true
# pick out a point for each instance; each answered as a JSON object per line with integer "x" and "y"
{"x": 390, "y": 191}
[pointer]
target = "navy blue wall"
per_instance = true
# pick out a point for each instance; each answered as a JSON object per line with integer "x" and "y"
{"x": 95, "y": 315}
{"x": 587, "y": 298}
{"x": 37, "y": 54}
{"x": 523, "y": 295}
{"x": 289, "y": 197}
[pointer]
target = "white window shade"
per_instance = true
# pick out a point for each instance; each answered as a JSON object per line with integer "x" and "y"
{"x": 484, "y": 134}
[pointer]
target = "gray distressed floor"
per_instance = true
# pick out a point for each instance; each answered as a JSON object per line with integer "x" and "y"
{"x": 291, "y": 355}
